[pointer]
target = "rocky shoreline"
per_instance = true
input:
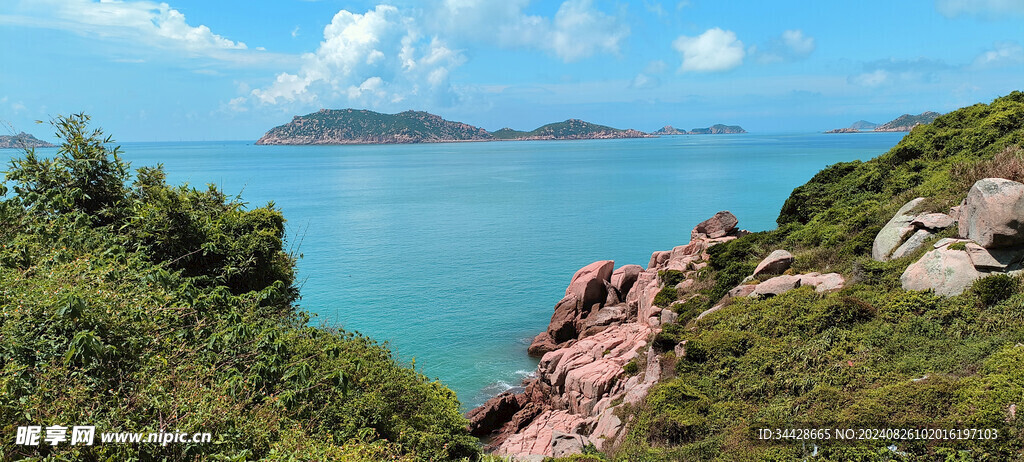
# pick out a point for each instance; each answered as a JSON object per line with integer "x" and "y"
{"x": 596, "y": 354}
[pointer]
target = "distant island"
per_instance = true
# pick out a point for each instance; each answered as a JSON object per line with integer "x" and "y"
{"x": 22, "y": 141}
{"x": 717, "y": 129}
{"x": 903, "y": 123}
{"x": 355, "y": 126}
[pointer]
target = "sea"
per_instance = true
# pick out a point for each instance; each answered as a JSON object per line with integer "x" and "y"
{"x": 454, "y": 254}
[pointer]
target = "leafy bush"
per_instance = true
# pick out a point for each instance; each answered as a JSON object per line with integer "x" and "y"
{"x": 671, "y": 277}
{"x": 666, "y": 296}
{"x": 996, "y": 288}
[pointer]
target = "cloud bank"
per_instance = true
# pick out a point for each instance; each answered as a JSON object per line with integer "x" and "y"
{"x": 713, "y": 51}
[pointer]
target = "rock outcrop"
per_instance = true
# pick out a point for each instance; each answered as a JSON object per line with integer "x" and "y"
{"x": 990, "y": 223}
{"x": 776, "y": 262}
{"x": 603, "y": 323}
{"x": 907, "y": 231}
{"x": 993, "y": 213}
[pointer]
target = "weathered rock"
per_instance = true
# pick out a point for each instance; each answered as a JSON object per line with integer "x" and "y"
{"x": 933, "y": 221}
{"x": 564, "y": 321}
{"x": 613, "y": 297}
{"x": 993, "y": 213}
{"x": 607, "y": 430}
{"x": 588, "y": 284}
{"x": 947, "y": 272}
{"x": 776, "y": 262}
{"x": 535, "y": 438}
{"x": 659, "y": 259}
{"x": 892, "y": 234}
{"x": 541, "y": 344}
{"x": 946, "y": 241}
{"x": 624, "y": 277}
{"x": 994, "y": 259}
{"x": 741, "y": 290}
{"x": 823, "y": 282}
{"x": 668, "y": 316}
{"x": 564, "y": 444}
{"x": 916, "y": 241}
{"x": 775, "y": 286}
{"x": 604, "y": 318}
{"x": 493, "y": 414}
{"x": 720, "y": 225}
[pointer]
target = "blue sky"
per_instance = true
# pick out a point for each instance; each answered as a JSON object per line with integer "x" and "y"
{"x": 230, "y": 70}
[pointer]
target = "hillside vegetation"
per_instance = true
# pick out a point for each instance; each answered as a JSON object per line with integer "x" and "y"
{"x": 869, "y": 356}
{"x": 137, "y": 306}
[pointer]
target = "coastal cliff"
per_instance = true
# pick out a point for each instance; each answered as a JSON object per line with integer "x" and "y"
{"x": 596, "y": 352}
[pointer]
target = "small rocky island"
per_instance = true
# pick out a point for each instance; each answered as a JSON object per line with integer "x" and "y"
{"x": 717, "y": 129}
{"x": 353, "y": 126}
{"x": 22, "y": 141}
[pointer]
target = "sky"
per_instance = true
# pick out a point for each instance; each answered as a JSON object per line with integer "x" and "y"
{"x": 194, "y": 70}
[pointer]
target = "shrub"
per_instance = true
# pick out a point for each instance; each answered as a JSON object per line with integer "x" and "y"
{"x": 666, "y": 296}
{"x": 671, "y": 277}
{"x": 996, "y": 288}
{"x": 631, "y": 368}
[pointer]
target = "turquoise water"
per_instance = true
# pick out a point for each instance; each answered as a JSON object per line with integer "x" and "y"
{"x": 455, "y": 254}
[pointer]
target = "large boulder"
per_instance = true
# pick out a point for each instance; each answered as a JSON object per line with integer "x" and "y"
{"x": 566, "y": 319}
{"x": 588, "y": 284}
{"x": 993, "y": 213}
{"x": 944, "y": 270}
{"x": 624, "y": 277}
{"x": 775, "y": 263}
{"x": 822, "y": 282}
{"x": 1004, "y": 259}
{"x": 892, "y": 234}
{"x": 720, "y": 225}
{"x": 916, "y": 241}
{"x": 933, "y": 221}
{"x": 775, "y": 286}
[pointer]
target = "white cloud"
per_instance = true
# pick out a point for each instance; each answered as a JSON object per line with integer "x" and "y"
{"x": 644, "y": 81}
{"x": 140, "y": 20}
{"x": 714, "y": 50}
{"x": 144, "y": 23}
{"x": 576, "y": 31}
{"x": 1004, "y": 53}
{"x": 986, "y": 8}
{"x": 888, "y": 71}
{"x": 372, "y": 59}
{"x": 798, "y": 43}
{"x": 792, "y": 45}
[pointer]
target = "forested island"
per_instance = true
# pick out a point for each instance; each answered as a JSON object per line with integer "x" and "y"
{"x": 889, "y": 296}
{"x": 717, "y": 129}
{"x": 354, "y": 126}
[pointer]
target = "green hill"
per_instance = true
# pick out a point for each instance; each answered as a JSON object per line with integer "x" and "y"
{"x": 351, "y": 126}
{"x": 22, "y": 141}
{"x": 869, "y": 356}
